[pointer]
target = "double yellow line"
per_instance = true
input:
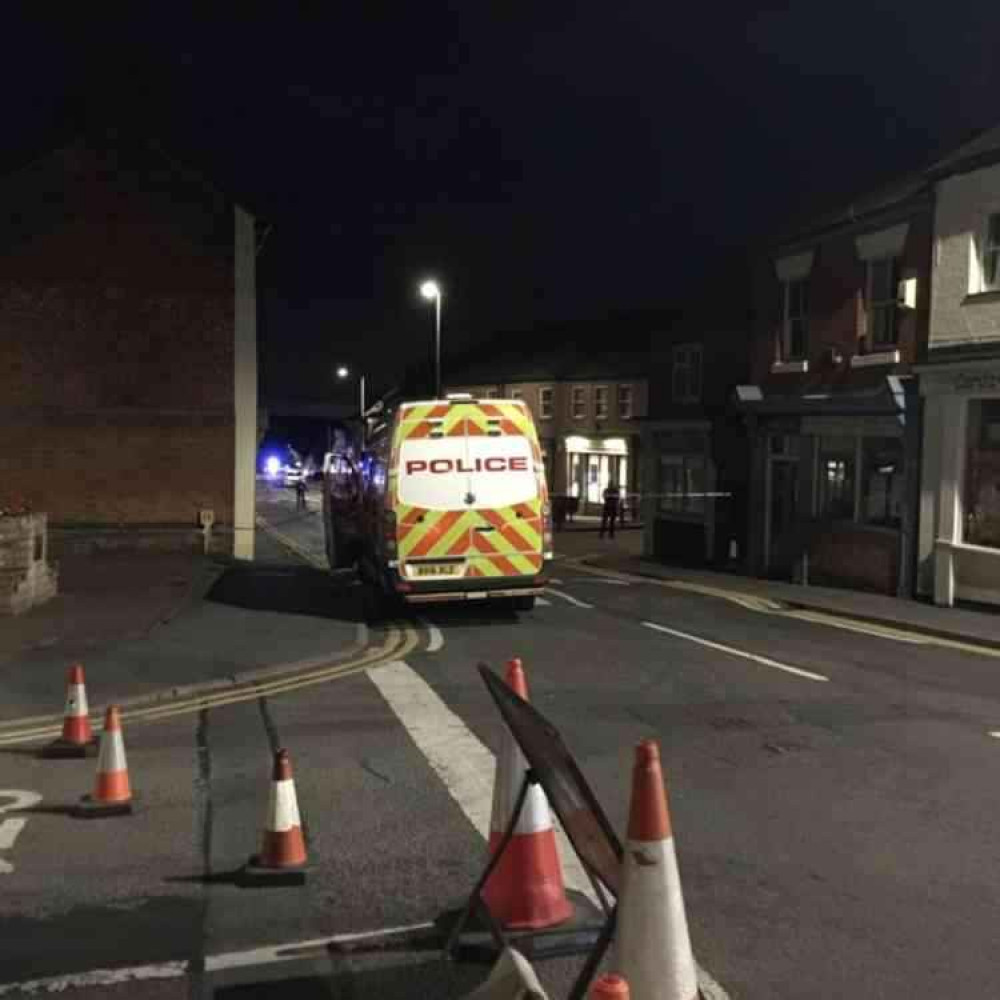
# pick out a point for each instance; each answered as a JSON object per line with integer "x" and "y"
{"x": 401, "y": 638}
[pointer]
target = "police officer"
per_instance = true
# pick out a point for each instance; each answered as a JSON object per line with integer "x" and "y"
{"x": 609, "y": 513}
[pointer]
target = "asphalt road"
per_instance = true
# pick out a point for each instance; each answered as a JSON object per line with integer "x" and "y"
{"x": 833, "y": 795}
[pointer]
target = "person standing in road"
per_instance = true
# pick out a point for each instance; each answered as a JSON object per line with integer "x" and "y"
{"x": 609, "y": 512}
{"x": 300, "y": 493}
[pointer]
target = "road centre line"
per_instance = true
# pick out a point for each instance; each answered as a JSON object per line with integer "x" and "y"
{"x": 568, "y": 597}
{"x": 762, "y": 660}
{"x": 466, "y": 767}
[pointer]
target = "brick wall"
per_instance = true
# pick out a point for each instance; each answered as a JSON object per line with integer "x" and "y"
{"x": 116, "y": 341}
{"x": 836, "y": 311}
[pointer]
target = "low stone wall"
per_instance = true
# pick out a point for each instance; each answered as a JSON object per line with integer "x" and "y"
{"x": 26, "y": 578}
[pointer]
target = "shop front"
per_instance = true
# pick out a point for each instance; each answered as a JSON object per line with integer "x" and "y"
{"x": 959, "y": 552}
{"x": 592, "y": 463}
{"x": 835, "y": 490}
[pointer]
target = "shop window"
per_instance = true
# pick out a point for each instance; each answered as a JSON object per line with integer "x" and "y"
{"x": 836, "y": 477}
{"x": 682, "y": 484}
{"x": 882, "y": 481}
{"x": 982, "y": 474}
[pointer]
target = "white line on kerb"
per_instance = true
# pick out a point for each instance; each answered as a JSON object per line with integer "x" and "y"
{"x": 435, "y": 640}
{"x": 568, "y": 597}
{"x": 762, "y": 660}
{"x": 466, "y": 767}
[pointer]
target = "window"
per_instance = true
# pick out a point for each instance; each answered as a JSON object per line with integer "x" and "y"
{"x": 795, "y": 320}
{"x": 982, "y": 474}
{"x": 882, "y": 304}
{"x": 578, "y": 402}
{"x": 836, "y": 477}
{"x": 687, "y": 373}
{"x": 682, "y": 484}
{"x": 882, "y": 481}
{"x": 625, "y": 402}
{"x": 990, "y": 262}
{"x": 492, "y": 394}
{"x": 516, "y": 394}
{"x": 545, "y": 403}
{"x": 601, "y": 402}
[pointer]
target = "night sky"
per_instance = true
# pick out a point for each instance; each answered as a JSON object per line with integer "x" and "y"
{"x": 545, "y": 161}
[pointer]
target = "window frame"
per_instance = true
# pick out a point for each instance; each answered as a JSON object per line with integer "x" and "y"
{"x": 625, "y": 412}
{"x": 990, "y": 247}
{"x": 574, "y": 390}
{"x": 517, "y": 394}
{"x": 787, "y": 318}
{"x": 693, "y": 388}
{"x": 598, "y": 390}
{"x": 546, "y": 410}
{"x": 889, "y": 304}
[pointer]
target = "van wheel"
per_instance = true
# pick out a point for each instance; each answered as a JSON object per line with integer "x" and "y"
{"x": 524, "y": 603}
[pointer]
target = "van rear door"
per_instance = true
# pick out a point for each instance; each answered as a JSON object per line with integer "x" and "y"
{"x": 469, "y": 492}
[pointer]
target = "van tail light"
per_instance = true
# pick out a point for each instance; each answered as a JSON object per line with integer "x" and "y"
{"x": 547, "y": 541}
{"x": 389, "y": 533}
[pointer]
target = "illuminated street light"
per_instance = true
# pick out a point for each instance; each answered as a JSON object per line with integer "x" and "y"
{"x": 344, "y": 372}
{"x": 432, "y": 290}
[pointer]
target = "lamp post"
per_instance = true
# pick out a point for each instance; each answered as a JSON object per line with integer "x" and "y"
{"x": 344, "y": 372}
{"x": 432, "y": 290}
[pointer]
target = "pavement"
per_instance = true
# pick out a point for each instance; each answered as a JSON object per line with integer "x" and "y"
{"x": 831, "y": 785}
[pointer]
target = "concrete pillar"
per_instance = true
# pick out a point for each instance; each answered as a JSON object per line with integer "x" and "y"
{"x": 930, "y": 484}
{"x": 245, "y": 387}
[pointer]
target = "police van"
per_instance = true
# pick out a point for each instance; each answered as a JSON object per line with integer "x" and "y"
{"x": 452, "y": 504}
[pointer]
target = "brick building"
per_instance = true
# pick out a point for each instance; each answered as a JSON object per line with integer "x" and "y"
{"x": 128, "y": 364}
{"x": 586, "y": 399}
{"x": 841, "y": 316}
{"x": 694, "y": 442}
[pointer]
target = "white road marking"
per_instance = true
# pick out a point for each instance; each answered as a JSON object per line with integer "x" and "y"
{"x": 568, "y": 597}
{"x": 466, "y": 767}
{"x": 290, "y": 951}
{"x": 542, "y": 602}
{"x": 996, "y": 734}
{"x": 435, "y": 640}
{"x": 9, "y": 829}
{"x": 96, "y": 977}
{"x": 762, "y": 660}
{"x": 602, "y": 579}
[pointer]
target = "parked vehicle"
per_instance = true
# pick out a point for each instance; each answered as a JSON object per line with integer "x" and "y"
{"x": 449, "y": 503}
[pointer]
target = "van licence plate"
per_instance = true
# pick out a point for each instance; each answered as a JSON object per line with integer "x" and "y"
{"x": 435, "y": 569}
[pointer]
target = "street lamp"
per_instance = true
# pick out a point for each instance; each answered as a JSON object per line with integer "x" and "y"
{"x": 344, "y": 372}
{"x": 432, "y": 290}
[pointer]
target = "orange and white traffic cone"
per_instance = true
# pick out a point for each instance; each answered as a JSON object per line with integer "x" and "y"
{"x": 609, "y": 987}
{"x": 77, "y": 739}
{"x": 112, "y": 791}
{"x": 525, "y": 891}
{"x": 653, "y": 949}
{"x": 282, "y": 858}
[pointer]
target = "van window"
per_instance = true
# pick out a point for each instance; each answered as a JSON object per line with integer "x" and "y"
{"x": 441, "y": 473}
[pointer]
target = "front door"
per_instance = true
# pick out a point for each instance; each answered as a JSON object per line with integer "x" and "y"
{"x": 784, "y": 510}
